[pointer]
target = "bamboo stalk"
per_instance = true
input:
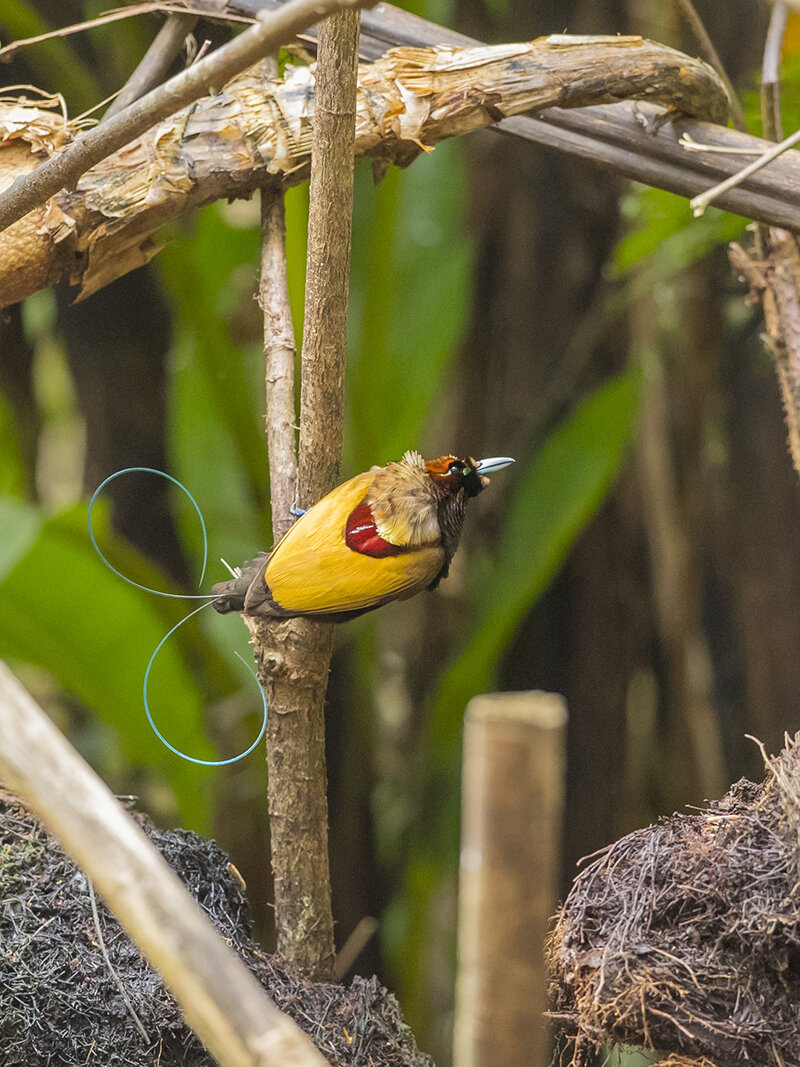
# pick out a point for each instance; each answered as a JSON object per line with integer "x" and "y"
{"x": 512, "y": 797}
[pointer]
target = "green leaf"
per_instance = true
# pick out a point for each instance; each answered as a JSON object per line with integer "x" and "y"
{"x": 19, "y": 527}
{"x": 206, "y": 459}
{"x": 663, "y": 231}
{"x": 14, "y": 479}
{"x": 296, "y": 210}
{"x": 563, "y": 487}
{"x": 63, "y": 610}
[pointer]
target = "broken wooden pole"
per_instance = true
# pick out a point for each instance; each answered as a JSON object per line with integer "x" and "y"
{"x": 512, "y": 798}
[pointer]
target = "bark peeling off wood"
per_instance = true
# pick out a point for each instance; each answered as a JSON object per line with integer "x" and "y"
{"x": 775, "y": 282}
{"x": 227, "y": 144}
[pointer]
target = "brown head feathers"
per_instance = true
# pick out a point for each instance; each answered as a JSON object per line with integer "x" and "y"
{"x": 451, "y": 474}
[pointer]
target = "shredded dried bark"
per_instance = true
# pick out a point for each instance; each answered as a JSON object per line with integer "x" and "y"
{"x": 59, "y": 1004}
{"x": 685, "y": 936}
{"x": 258, "y": 129}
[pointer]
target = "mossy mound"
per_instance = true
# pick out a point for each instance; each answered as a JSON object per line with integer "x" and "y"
{"x": 61, "y": 1004}
{"x": 685, "y": 936}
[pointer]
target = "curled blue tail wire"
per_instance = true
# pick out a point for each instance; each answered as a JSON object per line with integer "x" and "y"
{"x": 208, "y": 598}
{"x": 119, "y": 574}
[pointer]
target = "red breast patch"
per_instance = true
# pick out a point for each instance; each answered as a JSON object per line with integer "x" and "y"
{"x": 362, "y": 536}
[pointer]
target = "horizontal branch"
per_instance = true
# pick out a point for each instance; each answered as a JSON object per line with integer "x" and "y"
{"x": 258, "y": 127}
{"x": 612, "y": 136}
{"x": 272, "y": 30}
{"x": 620, "y": 138}
{"x": 221, "y": 1000}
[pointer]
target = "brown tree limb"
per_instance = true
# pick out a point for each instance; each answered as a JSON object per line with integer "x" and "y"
{"x": 287, "y": 656}
{"x": 220, "y": 999}
{"x": 156, "y": 62}
{"x": 63, "y": 170}
{"x": 328, "y": 273}
{"x": 231, "y": 143}
{"x": 619, "y": 137}
{"x": 294, "y": 656}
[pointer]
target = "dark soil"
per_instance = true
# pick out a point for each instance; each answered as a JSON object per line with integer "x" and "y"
{"x": 60, "y": 1005}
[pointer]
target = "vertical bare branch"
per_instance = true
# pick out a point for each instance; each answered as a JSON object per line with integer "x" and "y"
{"x": 773, "y": 272}
{"x": 774, "y": 279}
{"x": 711, "y": 56}
{"x": 675, "y": 573}
{"x": 770, "y": 79}
{"x": 294, "y": 656}
{"x": 328, "y": 277}
{"x": 279, "y": 353}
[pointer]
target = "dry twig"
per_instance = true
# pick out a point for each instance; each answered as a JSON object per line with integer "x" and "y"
{"x": 156, "y": 61}
{"x": 774, "y": 280}
{"x": 770, "y": 73}
{"x": 711, "y": 55}
{"x": 772, "y": 271}
{"x": 699, "y": 203}
{"x": 7, "y": 52}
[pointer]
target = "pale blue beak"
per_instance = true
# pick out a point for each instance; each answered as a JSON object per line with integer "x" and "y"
{"x": 496, "y": 463}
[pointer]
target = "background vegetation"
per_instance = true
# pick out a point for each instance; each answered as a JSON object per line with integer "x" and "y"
{"x": 640, "y": 558}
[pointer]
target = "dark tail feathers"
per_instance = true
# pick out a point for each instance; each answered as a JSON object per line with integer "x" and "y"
{"x": 232, "y": 593}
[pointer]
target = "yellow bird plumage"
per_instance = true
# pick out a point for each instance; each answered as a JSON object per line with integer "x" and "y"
{"x": 384, "y": 535}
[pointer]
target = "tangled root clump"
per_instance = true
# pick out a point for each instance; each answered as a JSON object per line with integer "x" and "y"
{"x": 685, "y": 936}
{"x": 59, "y": 1003}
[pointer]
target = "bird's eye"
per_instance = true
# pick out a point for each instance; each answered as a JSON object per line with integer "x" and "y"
{"x": 454, "y": 468}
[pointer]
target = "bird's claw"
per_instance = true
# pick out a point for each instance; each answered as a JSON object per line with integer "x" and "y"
{"x": 297, "y": 512}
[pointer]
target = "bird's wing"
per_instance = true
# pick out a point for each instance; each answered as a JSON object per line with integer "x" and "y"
{"x": 314, "y": 571}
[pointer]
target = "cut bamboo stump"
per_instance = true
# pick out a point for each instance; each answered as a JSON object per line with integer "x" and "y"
{"x": 512, "y": 798}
